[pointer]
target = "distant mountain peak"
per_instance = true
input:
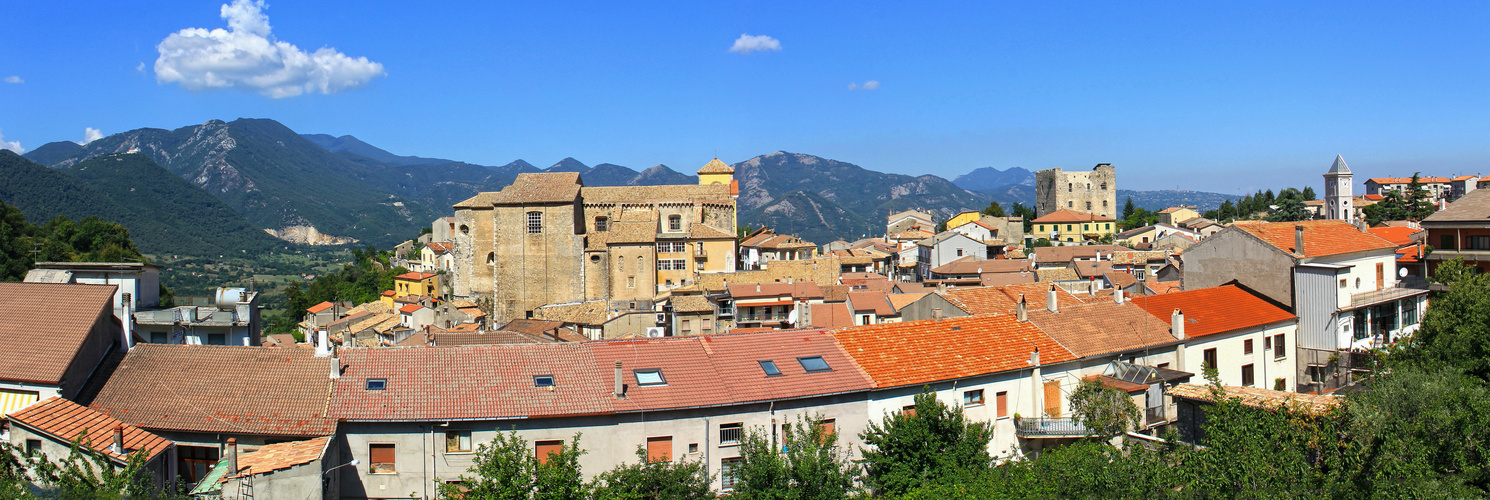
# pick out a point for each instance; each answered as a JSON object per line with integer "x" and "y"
{"x": 990, "y": 178}
{"x": 568, "y": 164}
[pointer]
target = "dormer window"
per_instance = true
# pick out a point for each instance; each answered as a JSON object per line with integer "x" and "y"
{"x": 650, "y": 377}
{"x": 770, "y": 368}
{"x": 814, "y": 364}
{"x": 543, "y": 381}
{"x": 377, "y": 384}
{"x": 674, "y": 223}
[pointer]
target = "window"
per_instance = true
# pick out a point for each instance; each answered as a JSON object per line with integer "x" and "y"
{"x": 631, "y": 282}
{"x": 1267, "y": 343}
{"x": 727, "y": 471}
{"x": 217, "y": 339}
{"x": 908, "y": 410}
{"x": 1357, "y": 283}
{"x": 1247, "y": 377}
{"x": 864, "y": 319}
{"x": 158, "y": 337}
{"x": 1210, "y": 358}
{"x": 1070, "y": 187}
{"x": 706, "y": 324}
{"x": 544, "y": 449}
{"x": 1409, "y": 312}
{"x": 1343, "y": 283}
{"x": 1068, "y": 228}
{"x": 381, "y": 458}
{"x": 649, "y": 377}
{"x": 1247, "y": 347}
{"x": 457, "y": 441}
{"x": 687, "y": 326}
{"x": 1086, "y": 227}
{"x": 973, "y": 397}
{"x": 1001, "y": 400}
{"x": 491, "y": 257}
{"x": 1104, "y": 188}
{"x": 674, "y": 223}
{"x": 535, "y": 222}
{"x": 959, "y": 252}
{"x": 1279, "y": 351}
{"x": 692, "y": 447}
{"x": 543, "y": 381}
{"x": 672, "y": 264}
{"x": 601, "y": 224}
{"x": 1088, "y": 206}
{"x": 1478, "y": 243}
{"x": 377, "y": 384}
{"x": 1108, "y": 225}
{"x": 770, "y": 368}
{"x": 464, "y": 229}
{"x": 660, "y": 449}
{"x": 1446, "y": 242}
{"x": 729, "y": 434}
{"x": 672, "y": 247}
{"x": 1070, "y": 204}
{"x": 814, "y": 364}
{"x": 33, "y": 447}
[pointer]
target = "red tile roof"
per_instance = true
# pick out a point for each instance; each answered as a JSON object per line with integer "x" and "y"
{"x": 1063, "y": 216}
{"x": 409, "y": 309}
{"x": 736, "y": 359}
{"x": 44, "y": 325}
{"x": 389, "y": 293}
{"x": 440, "y": 246}
{"x": 1002, "y": 299}
{"x": 415, "y": 276}
{"x": 1214, "y": 310}
{"x": 1102, "y": 327}
{"x": 221, "y": 389}
{"x": 1321, "y": 237}
{"x": 875, "y": 302}
{"x": 65, "y": 420}
{"x": 921, "y": 352}
{"x": 1407, "y": 180}
{"x": 763, "y": 290}
{"x": 476, "y": 382}
{"x": 315, "y": 309}
{"x": 1160, "y": 287}
{"x": 830, "y": 315}
{"x": 1400, "y": 236}
{"x": 280, "y": 456}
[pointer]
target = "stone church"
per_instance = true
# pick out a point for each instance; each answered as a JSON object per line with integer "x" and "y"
{"x": 548, "y": 239}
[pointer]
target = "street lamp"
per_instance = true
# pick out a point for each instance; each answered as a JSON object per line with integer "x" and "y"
{"x": 354, "y": 462}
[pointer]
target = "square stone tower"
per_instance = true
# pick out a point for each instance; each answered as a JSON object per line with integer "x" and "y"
{"x": 1093, "y": 192}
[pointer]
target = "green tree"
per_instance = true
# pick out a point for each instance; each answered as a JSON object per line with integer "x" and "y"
{"x": 994, "y": 210}
{"x": 1456, "y": 331}
{"x": 654, "y": 480}
{"x": 1103, "y": 410}
{"x": 1023, "y": 212}
{"x": 1309, "y": 194}
{"x": 1226, "y": 212}
{"x": 931, "y": 445}
{"x": 809, "y": 465}
{"x": 505, "y": 469}
{"x": 1129, "y": 209}
{"x": 1290, "y": 205}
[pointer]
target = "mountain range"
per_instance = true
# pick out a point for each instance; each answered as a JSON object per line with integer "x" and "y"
{"x": 346, "y": 189}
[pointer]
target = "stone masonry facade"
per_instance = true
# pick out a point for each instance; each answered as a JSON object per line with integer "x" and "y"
{"x": 1093, "y": 192}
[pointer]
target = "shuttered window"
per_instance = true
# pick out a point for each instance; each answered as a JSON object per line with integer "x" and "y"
{"x": 382, "y": 458}
{"x": 660, "y": 449}
{"x": 1053, "y": 399}
{"x": 1002, "y": 399}
{"x": 542, "y": 449}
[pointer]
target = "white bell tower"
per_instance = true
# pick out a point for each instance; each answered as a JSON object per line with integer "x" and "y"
{"x": 1337, "y": 192}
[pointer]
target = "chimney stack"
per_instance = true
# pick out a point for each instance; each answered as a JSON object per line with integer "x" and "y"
{"x": 1298, "y": 239}
{"x": 129, "y": 320}
{"x": 1035, "y": 357}
{"x": 1117, "y": 295}
{"x": 620, "y": 387}
{"x": 119, "y": 439}
{"x": 1020, "y": 313}
{"x": 936, "y": 313}
{"x": 1051, "y": 304}
{"x": 323, "y": 344}
{"x": 232, "y": 456}
{"x": 1177, "y": 324}
{"x": 335, "y": 368}
{"x": 941, "y": 288}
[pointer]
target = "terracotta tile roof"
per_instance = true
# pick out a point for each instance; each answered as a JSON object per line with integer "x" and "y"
{"x": 1214, "y": 310}
{"x": 716, "y": 193}
{"x": 1066, "y": 253}
{"x": 623, "y": 233}
{"x": 43, "y": 325}
{"x": 782, "y": 242}
{"x": 1465, "y": 178}
{"x": 1321, "y": 237}
{"x": 716, "y": 167}
{"x": 65, "y": 420}
{"x": 1407, "y": 180}
{"x": 1400, "y": 236}
{"x": 220, "y": 389}
{"x": 1162, "y": 287}
{"x": 280, "y": 456}
{"x": 1005, "y": 279}
{"x": 1120, "y": 279}
{"x": 415, "y": 276}
{"x": 913, "y": 234}
{"x": 560, "y": 187}
{"x": 485, "y": 382}
{"x": 898, "y": 301}
{"x": 835, "y": 293}
{"x": 707, "y": 232}
{"x": 921, "y": 352}
{"x": 389, "y": 293}
{"x": 831, "y": 315}
{"x": 1064, "y": 216}
{"x": 1003, "y": 299}
{"x": 592, "y": 313}
{"x": 410, "y": 309}
{"x": 1091, "y": 268}
{"x": 321, "y": 307}
{"x": 1171, "y": 210}
{"x": 973, "y": 265}
{"x": 280, "y": 339}
{"x": 1473, "y": 207}
{"x": 875, "y": 302}
{"x": 1136, "y": 258}
{"x": 762, "y": 290}
{"x": 1257, "y": 397}
{"x": 496, "y": 337}
{"x": 692, "y": 304}
{"x": 440, "y": 247}
{"x": 822, "y": 270}
{"x": 915, "y": 214}
{"x": 1102, "y": 327}
{"x": 1134, "y": 232}
{"x": 1056, "y": 274}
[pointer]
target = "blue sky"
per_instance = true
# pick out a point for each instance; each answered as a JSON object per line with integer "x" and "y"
{"x": 1194, "y": 95}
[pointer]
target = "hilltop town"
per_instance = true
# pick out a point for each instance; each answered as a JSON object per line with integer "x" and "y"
{"x": 648, "y": 317}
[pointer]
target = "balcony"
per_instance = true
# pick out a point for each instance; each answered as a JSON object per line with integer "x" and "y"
{"x": 700, "y": 253}
{"x": 1049, "y": 428}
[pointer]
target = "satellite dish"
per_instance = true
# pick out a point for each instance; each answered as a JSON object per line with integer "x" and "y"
{"x": 1401, "y": 272}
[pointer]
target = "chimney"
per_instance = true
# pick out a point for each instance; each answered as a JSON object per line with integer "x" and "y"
{"x": 1051, "y": 304}
{"x": 335, "y": 368}
{"x": 323, "y": 347}
{"x": 941, "y": 288}
{"x": 129, "y": 319}
{"x": 1035, "y": 357}
{"x": 1020, "y": 313}
{"x": 620, "y": 388}
{"x": 1177, "y": 324}
{"x": 757, "y": 287}
{"x": 1117, "y": 296}
{"x": 1298, "y": 239}
{"x": 232, "y": 456}
{"x": 1091, "y": 287}
{"x": 119, "y": 439}
{"x": 936, "y": 313}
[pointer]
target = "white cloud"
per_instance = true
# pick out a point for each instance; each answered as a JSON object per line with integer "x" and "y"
{"x": 759, "y": 43}
{"x": 868, "y": 85}
{"x": 14, "y": 79}
{"x": 247, "y": 57}
{"x": 11, "y": 145}
{"x": 91, "y": 134}
{"x": 140, "y": 68}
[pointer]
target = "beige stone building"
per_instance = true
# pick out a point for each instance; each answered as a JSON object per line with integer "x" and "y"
{"x": 1093, "y": 192}
{"x": 548, "y": 239}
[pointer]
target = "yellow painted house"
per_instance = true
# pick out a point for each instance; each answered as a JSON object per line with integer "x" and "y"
{"x": 416, "y": 283}
{"x": 967, "y": 216}
{"x": 1073, "y": 226}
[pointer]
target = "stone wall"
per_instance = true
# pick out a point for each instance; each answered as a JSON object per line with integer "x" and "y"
{"x": 1091, "y": 192}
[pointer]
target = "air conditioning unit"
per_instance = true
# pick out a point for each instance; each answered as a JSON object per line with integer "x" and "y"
{"x": 655, "y": 332}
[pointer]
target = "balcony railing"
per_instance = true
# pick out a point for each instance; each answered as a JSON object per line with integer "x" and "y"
{"x": 751, "y": 318}
{"x": 1049, "y": 427}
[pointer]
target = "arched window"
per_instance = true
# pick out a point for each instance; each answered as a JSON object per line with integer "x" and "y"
{"x": 1070, "y": 187}
{"x": 464, "y": 229}
{"x": 1104, "y": 186}
{"x": 491, "y": 257}
{"x": 674, "y": 223}
{"x": 620, "y": 264}
{"x": 535, "y": 222}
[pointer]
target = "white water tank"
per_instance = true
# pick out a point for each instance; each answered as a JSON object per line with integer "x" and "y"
{"x": 228, "y": 298}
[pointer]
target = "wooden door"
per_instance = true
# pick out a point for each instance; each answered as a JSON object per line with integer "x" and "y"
{"x": 1053, "y": 398}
